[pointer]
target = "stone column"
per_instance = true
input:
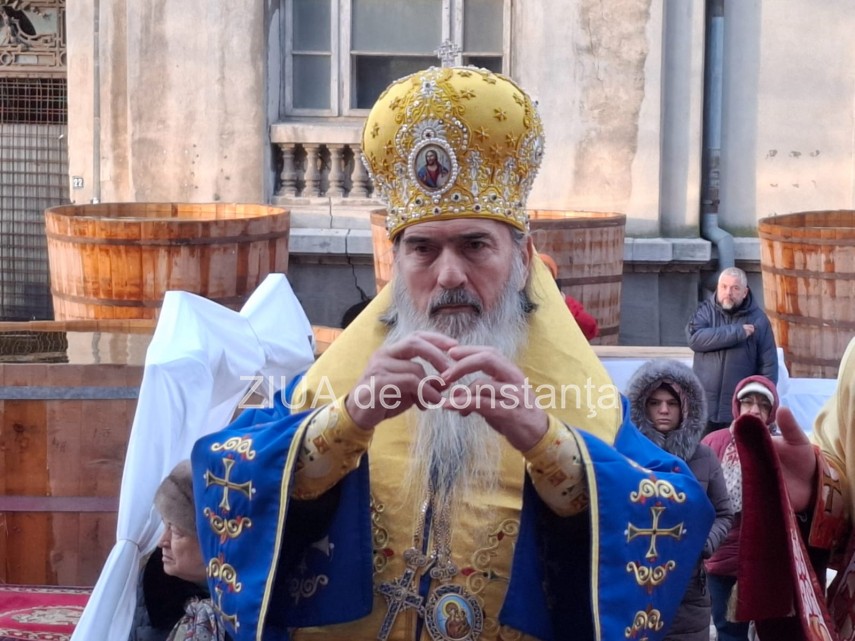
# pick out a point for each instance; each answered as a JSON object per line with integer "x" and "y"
{"x": 336, "y": 175}
{"x": 313, "y": 172}
{"x": 361, "y": 181}
{"x": 288, "y": 176}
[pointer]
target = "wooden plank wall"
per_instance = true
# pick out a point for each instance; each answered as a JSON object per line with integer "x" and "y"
{"x": 61, "y": 463}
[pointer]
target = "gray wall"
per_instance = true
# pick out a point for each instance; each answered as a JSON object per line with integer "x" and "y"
{"x": 172, "y": 105}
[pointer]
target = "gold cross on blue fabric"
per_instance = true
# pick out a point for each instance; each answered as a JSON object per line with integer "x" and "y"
{"x": 227, "y": 484}
{"x": 653, "y": 531}
{"x": 228, "y": 618}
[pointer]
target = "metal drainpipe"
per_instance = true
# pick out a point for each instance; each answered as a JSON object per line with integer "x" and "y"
{"x": 96, "y": 104}
{"x": 710, "y": 196}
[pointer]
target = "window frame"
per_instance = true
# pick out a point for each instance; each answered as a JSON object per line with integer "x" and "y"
{"x": 335, "y": 101}
{"x": 342, "y": 62}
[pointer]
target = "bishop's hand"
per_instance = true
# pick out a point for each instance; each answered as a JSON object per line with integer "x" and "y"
{"x": 501, "y": 394}
{"x": 393, "y": 381}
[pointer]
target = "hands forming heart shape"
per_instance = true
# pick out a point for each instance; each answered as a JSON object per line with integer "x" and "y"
{"x": 394, "y": 381}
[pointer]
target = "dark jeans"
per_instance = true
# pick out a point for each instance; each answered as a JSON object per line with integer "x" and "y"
{"x": 720, "y": 587}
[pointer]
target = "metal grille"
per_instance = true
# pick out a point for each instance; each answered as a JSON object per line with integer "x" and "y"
{"x": 33, "y": 347}
{"x": 33, "y": 177}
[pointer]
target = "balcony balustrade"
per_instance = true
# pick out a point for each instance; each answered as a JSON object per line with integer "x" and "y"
{"x": 321, "y": 161}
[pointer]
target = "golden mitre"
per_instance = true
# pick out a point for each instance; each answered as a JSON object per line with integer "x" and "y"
{"x": 453, "y": 142}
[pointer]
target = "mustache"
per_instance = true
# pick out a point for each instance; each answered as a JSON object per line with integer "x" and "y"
{"x": 458, "y": 296}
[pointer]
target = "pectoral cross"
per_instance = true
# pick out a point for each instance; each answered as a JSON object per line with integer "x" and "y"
{"x": 653, "y": 531}
{"x": 447, "y": 52}
{"x": 399, "y": 596}
{"x": 226, "y": 484}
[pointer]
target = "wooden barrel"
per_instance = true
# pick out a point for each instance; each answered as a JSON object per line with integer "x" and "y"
{"x": 116, "y": 261}
{"x": 382, "y": 249}
{"x": 64, "y": 431}
{"x": 588, "y": 249}
{"x": 808, "y": 264}
{"x": 324, "y": 337}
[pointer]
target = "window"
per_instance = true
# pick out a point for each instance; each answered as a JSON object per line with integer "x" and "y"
{"x": 340, "y": 54}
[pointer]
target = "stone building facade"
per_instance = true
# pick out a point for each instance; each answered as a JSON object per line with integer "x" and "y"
{"x": 263, "y": 102}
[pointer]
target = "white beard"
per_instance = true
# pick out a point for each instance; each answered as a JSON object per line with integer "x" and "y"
{"x": 456, "y": 456}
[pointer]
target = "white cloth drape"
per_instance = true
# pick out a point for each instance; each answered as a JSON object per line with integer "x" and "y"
{"x": 201, "y": 361}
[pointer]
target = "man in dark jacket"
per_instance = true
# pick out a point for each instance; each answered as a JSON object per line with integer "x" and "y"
{"x": 732, "y": 339}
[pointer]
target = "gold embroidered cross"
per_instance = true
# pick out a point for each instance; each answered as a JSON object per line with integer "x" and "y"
{"x": 653, "y": 531}
{"x": 227, "y": 484}
{"x": 399, "y": 596}
{"x": 228, "y": 618}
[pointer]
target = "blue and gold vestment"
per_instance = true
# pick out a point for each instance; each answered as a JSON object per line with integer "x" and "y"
{"x": 617, "y": 571}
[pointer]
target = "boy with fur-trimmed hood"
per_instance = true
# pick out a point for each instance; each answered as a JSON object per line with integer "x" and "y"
{"x": 668, "y": 406}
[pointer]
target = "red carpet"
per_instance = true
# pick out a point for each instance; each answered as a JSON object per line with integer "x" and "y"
{"x": 40, "y": 613}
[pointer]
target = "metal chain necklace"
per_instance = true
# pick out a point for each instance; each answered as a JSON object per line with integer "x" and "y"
{"x": 450, "y": 613}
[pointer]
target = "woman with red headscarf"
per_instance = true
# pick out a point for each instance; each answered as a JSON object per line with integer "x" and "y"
{"x": 755, "y": 395}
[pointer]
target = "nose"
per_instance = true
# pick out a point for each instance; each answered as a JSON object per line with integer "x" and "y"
{"x": 451, "y": 272}
{"x": 164, "y": 539}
